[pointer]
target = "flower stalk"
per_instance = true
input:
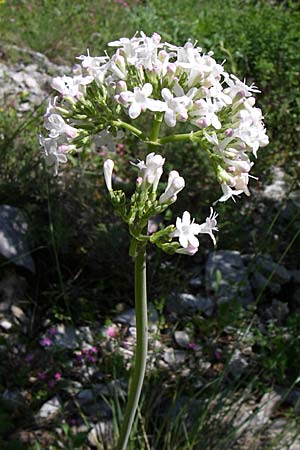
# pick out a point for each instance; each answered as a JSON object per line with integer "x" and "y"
{"x": 139, "y": 367}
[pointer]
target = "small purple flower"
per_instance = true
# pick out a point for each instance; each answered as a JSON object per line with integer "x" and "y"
{"x": 41, "y": 375}
{"x": 51, "y": 384}
{"x": 46, "y": 342}
{"x": 52, "y": 331}
{"x": 93, "y": 350}
{"x": 192, "y": 345}
{"x": 28, "y": 358}
{"x": 57, "y": 376}
{"x": 218, "y": 355}
{"x": 91, "y": 358}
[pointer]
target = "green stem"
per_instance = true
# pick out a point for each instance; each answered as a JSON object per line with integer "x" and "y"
{"x": 141, "y": 345}
{"x": 180, "y": 137}
{"x": 129, "y": 127}
{"x": 155, "y": 131}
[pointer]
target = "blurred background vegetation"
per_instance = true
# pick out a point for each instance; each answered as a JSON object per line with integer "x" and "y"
{"x": 78, "y": 244}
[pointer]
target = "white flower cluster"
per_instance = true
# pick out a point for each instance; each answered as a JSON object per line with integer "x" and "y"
{"x": 182, "y": 84}
{"x": 150, "y": 172}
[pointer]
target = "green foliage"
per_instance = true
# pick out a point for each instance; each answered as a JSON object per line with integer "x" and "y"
{"x": 279, "y": 350}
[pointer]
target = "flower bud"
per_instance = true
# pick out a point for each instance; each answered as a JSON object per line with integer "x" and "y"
{"x": 108, "y": 170}
{"x": 176, "y": 185}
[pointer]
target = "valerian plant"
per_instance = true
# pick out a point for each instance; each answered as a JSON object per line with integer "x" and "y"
{"x": 165, "y": 83}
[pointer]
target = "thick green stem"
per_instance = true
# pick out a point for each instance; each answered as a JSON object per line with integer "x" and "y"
{"x": 141, "y": 345}
{"x": 155, "y": 131}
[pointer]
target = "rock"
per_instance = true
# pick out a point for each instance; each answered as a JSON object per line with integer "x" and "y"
{"x": 13, "y": 398}
{"x": 5, "y": 324}
{"x": 227, "y": 278}
{"x": 49, "y": 409}
{"x": 196, "y": 282}
{"x": 85, "y": 396}
{"x": 97, "y": 410}
{"x": 278, "y": 310}
{"x": 238, "y": 364}
{"x": 292, "y": 398}
{"x": 18, "y": 314}
{"x": 113, "y": 388}
{"x": 259, "y": 281}
{"x": 277, "y": 190}
{"x": 182, "y": 339}
{"x": 265, "y": 265}
{"x": 128, "y": 317}
{"x": 102, "y": 432}
{"x": 13, "y": 237}
{"x": 66, "y": 336}
{"x": 265, "y": 409}
{"x": 183, "y": 303}
{"x": 174, "y": 357}
{"x": 295, "y": 274}
{"x": 296, "y": 296}
{"x": 12, "y": 290}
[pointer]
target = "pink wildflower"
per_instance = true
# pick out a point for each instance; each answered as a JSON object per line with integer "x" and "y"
{"x": 57, "y": 376}
{"x": 111, "y": 332}
{"x": 46, "y": 342}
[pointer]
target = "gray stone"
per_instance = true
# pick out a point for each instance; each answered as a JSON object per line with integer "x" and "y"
{"x": 102, "y": 432}
{"x": 238, "y": 364}
{"x": 66, "y": 336}
{"x": 265, "y": 265}
{"x": 182, "y": 339}
{"x": 292, "y": 398}
{"x": 174, "y": 357}
{"x": 295, "y": 274}
{"x": 278, "y": 189}
{"x": 97, "y": 410}
{"x": 227, "y": 278}
{"x": 85, "y": 396}
{"x": 5, "y": 324}
{"x": 13, "y": 398}
{"x": 259, "y": 281}
{"x": 13, "y": 237}
{"x": 183, "y": 303}
{"x": 128, "y": 317}
{"x": 196, "y": 282}
{"x": 278, "y": 310}
{"x": 49, "y": 409}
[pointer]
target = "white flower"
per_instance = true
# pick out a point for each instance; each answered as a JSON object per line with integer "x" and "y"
{"x": 228, "y": 193}
{"x": 210, "y": 225}
{"x": 151, "y": 170}
{"x": 92, "y": 62}
{"x": 54, "y": 151}
{"x": 186, "y": 231}
{"x": 175, "y": 184}
{"x": 129, "y": 48}
{"x": 57, "y": 126}
{"x": 206, "y": 111}
{"x": 139, "y": 101}
{"x": 108, "y": 170}
{"x": 71, "y": 87}
{"x": 189, "y": 250}
{"x": 237, "y": 87}
{"x": 176, "y": 108}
